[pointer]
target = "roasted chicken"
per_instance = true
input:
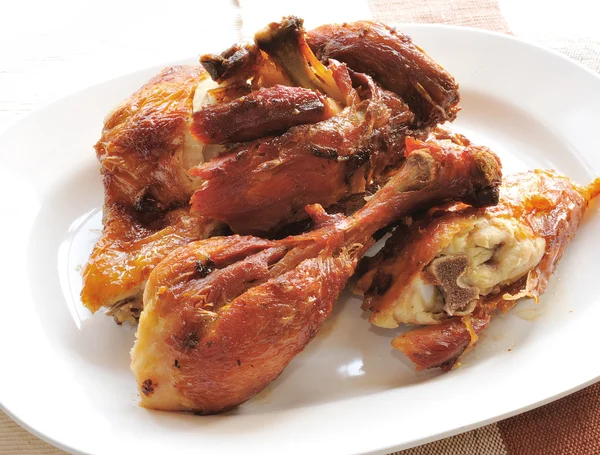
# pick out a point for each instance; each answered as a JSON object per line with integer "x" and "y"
{"x": 145, "y": 151}
{"x": 452, "y": 268}
{"x": 353, "y": 134}
{"x": 271, "y": 130}
{"x": 271, "y": 134}
{"x": 224, "y": 316}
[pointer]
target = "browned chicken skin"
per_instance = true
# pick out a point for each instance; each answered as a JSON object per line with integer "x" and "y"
{"x": 318, "y": 134}
{"x": 260, "y": 113}
{"x": 145, "y": 151}
{"x": 392, "y": 59}
{"x": 143, "y": 148}
{"x": 258, "y": 187}
{"x": 224, "y": 316}
{"x": 499, "y": 254}
{"x": 303, "y": 121}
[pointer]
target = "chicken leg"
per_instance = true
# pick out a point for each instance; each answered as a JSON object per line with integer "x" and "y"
{"x": 452, "y": 269}
{"x": 224, "y": 316}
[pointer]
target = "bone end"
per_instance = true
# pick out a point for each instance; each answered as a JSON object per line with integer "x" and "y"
{"x": 277, "y": 32}
{"x": 420, "y": 169}
{"x": 488, "y": 178}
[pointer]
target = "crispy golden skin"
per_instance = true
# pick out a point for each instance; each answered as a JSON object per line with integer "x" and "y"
{"x": 224, "y": 316}
{"x": 145, "y": 151}
{"x": 260, "y": 186}
{"x": 126, "y": 253}
{"x": 546, "y": 206}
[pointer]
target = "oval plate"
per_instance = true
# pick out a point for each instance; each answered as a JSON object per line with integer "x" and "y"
{"x": 65, "y": 375}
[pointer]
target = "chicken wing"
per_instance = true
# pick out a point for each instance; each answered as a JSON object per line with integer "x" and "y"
{"x": 223, "y": 316}
{"x": 453, "y": 268}
{"x": 393, "y": 61}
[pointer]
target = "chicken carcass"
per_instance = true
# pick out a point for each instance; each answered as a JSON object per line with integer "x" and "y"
{"x": 224, "y": 316}
{"x": 453, "y": 268}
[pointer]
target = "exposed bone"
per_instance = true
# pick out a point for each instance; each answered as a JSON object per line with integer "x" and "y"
{"x": 232, "y": 63}
{"x": 447, "y": 271}
{"x": 285, "y": 43}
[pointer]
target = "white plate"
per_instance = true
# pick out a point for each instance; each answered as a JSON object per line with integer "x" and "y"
{"x": 65, "y": 375}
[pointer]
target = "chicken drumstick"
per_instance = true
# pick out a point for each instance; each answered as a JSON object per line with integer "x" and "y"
{"x": 224, "y": 316}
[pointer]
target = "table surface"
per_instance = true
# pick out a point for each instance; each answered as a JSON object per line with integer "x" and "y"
{"x": 51, "y": 49}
